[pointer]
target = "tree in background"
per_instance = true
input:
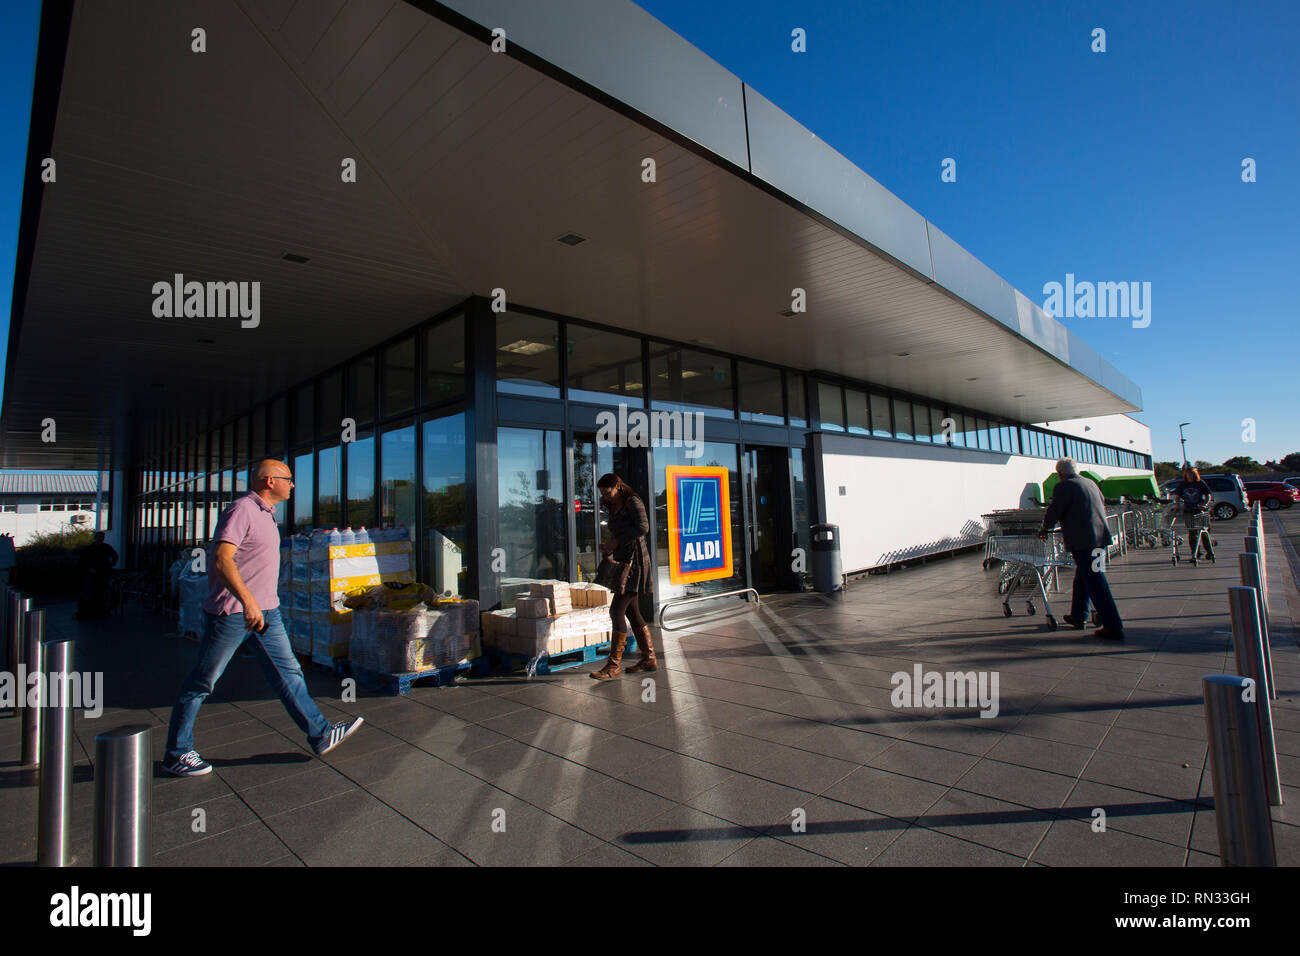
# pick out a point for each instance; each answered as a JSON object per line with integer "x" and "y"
{"x": 1244, "y": 464}
{"x": 1291, "y": 462}
{"x": 1167, "y": 469}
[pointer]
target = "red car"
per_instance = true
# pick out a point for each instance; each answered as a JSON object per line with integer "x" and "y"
{"x": 1274, "y": 494}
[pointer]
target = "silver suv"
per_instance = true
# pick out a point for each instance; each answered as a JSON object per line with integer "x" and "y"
{"x": 1228, "y": 490}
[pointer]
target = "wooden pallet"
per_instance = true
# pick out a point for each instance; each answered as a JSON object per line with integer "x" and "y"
{"x": 559, "y": 662}
{"x": 401, "y": 684}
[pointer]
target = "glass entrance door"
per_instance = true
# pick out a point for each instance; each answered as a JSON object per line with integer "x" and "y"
{"x": 590, "y": 461}
{"x": 769, "y": 525}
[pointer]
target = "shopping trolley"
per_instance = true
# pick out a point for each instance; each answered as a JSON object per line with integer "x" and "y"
{"x": 1029, "y": 561}
{"x": 1009, "y": 521}
{"x": 1198, "y": 528}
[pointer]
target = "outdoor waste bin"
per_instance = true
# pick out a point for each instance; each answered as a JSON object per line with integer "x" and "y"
{"x": 827, "y": 565}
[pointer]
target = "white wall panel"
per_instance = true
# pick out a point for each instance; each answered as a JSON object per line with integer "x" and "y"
{"x": 902, "y": 500}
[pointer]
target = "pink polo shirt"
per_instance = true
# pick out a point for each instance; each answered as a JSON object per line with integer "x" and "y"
{"x": 248, "y": 524}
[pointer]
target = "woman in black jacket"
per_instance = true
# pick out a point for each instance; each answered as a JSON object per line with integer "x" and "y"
{"x": 1194, "y": 497}
{"x": 628, "y": 527}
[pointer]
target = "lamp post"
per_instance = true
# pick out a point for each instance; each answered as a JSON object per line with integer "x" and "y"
{"x": 1184, "y": 442}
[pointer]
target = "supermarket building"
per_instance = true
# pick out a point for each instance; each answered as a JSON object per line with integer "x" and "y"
{"x": 355, "y": 236}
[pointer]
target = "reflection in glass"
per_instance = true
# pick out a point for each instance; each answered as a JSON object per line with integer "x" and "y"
{"x": 531, "y": 516}
{"x": 688, "y": 381}
{"x": 329, "y": 488}
{"x": 528, "y": 360}
{"x": 445, "y": 541}
{"x": 361, "y": 481}
{"x": 830, "y": 403}
{"x": 302, "y": 495}
{"x": 397, "y": 483}
{"x": 444, "y": 358}
{"x": 603, "y": 364}
{"x": 399, "y": 379}
{"x": 760, "y": 393}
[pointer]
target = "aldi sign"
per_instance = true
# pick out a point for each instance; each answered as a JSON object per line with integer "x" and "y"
{"x": 699, "y": 523}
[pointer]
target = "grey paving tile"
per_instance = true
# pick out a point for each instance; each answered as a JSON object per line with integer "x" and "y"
{"x": 1075, "y": 843}
{"x": 617, "y": 756}
{"x": 392, "y": 841}
{"x": 927, "y": 763}
{"x": 766, "y": 851}
{"x": 317, "y": 783}
{"x": 1147, "y": 776}
{"x": 172, "y": 793}
{"x": 1063, "y": 730}
{"x": 971, "y": 736}
{"x": 1156, "y": 818}
{"x": 496, "y": 761}
{"x": 189, "y": 825}
{"x": 1050, "y": 755}
{"x": 442, "y": 856}
{"x": 1162, "y": 747}
{"x": 891, "y": 794}
{"x": 802, "y": 770}
{"x": 546, "y": 783}
{"x": 610, "y": 807}
{"x": 685, "y": 836}
{"x": 673, "y": 733}
{"x": 607, "y": 855}
{"x": 676, "y": 777}
{"x": 733, "y": 751}
{"x": 531, "y": 838}
{"x": 847, "y": 834}
{"x": 1014, "y": 784}
{"x": 921, "y": 847}
{"x": 843, "y": 743}
{"x": 992, "y": 823}
{"x": 250, "y": 845}
{"x": 756, "y": 804}
{"x": 302, "y": 829}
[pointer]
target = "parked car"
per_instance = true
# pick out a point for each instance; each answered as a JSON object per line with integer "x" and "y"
{"x": 1272, "y": 494}
{"x": 1294, "y": 482}
{"x": 1229, "y": 494}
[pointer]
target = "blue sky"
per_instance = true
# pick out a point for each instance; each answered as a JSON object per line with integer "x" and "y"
{"x": 1115, "y": 166}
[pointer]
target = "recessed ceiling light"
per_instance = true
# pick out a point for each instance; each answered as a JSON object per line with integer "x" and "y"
{"x": 787, "y": 313}
{"x": 1021, "y": 395}
{"x": 902, "y": 354}
{"x": 525, "y": 347}
{"x": 1051, "y": 407}
{"x": 975, "y": 379}
{"x": 571, "y": 239}
{"x": 207, "y": 341}
{"x": 155, "y": 384}
{"x": 293, "y": 257}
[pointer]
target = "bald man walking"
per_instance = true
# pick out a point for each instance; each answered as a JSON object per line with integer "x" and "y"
{"x": 242, "y": 602}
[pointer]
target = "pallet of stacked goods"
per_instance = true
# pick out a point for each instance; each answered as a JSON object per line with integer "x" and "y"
{"x": 405, "y": 633}
{"x": 552, "y": 626}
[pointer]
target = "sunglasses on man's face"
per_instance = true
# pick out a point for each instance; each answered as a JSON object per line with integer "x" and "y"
{"x": 281, "y": 477}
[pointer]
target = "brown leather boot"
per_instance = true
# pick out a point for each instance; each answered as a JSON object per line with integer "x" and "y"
{"x": 646, "y": 643}
{"x": 611, "y": 669}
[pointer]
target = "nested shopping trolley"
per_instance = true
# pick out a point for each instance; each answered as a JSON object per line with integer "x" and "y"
{"x": 1154, "y": 525}
{"x": 1029, "y": 562}
{"x": 1009, "y": 521}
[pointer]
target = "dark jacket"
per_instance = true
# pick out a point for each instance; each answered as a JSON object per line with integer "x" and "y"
{"x": 628, "y": 528}
{"x": 1193, "y": 496}
{"x": 1078, "y": 506}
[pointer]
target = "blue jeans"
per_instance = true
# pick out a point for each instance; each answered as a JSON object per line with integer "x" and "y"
{"x": 222, "y": 636}
{"x": 1091, "y": 586}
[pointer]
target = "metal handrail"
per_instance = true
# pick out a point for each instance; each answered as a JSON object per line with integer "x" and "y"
{"x": 696, "y": 600}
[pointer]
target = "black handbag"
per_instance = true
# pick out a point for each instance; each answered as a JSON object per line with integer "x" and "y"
{"x": 613, "y": 574}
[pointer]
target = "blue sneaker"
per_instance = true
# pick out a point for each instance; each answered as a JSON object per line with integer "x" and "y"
{"x": 336, "y": 735}
{"x": 187, "y": 765}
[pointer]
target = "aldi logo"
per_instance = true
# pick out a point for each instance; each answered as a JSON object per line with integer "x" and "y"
{"x": 699, "y": 523}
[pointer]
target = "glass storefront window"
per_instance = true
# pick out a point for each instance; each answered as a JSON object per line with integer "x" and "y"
{"x": 921, "y": 422}
{"x": 329, "y": 407}
{"x": 228, "y": 445}
{"x": 360, "y": 404}
{"x": 304, "y": 414}
{"x": 830, "y": 405}
{"x": 528, "y": 358}
{"x": 794, "y": 385}
{"x": 603, "y": 364}
{"x": 445, "y": 539}
{"x": 714, "y": 454}
{"x": 687, "y": 380}
{"x": 302, "y": 492}
{"x": 361, "y": 481}
{"x": 399, "y": 381}
{"x": 902, "y": 419}
{"x": 397, "y": 481}
{"x": 859, "y": 414}
{"x": 937, "y": 433}
{"x": 590, "y": 461}
{"x": 760, "y": 394}
{"x": 275, "y": 428}
{"x": 241, "y": 442}
{"x": 881, "y": 424}
{"x": 802, "y": 522}
{"x": 329, "y": 488}
{"x": 260, "y": 450}
{"x": 532, "y": 520}
{"x": 444, "y": 361}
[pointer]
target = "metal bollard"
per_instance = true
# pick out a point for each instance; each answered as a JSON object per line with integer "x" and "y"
{"x": 56, "y": 760}
{"x": 1240, "y": 801}
{"x": 1255, "y": 545}
{"x": 1248, "y": 640}
{"x": 123, "y": 797}
{"x": 1249, "y": 564}
{"x": 33, "y": 659}
{"x": 15, "y": 614}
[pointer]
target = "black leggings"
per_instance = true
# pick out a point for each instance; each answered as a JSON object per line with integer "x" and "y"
{"x": 626, "y": 606}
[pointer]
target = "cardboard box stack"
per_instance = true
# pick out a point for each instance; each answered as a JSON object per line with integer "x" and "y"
{"x": 553, "y": 617}
{"x": 404, "y": 630}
